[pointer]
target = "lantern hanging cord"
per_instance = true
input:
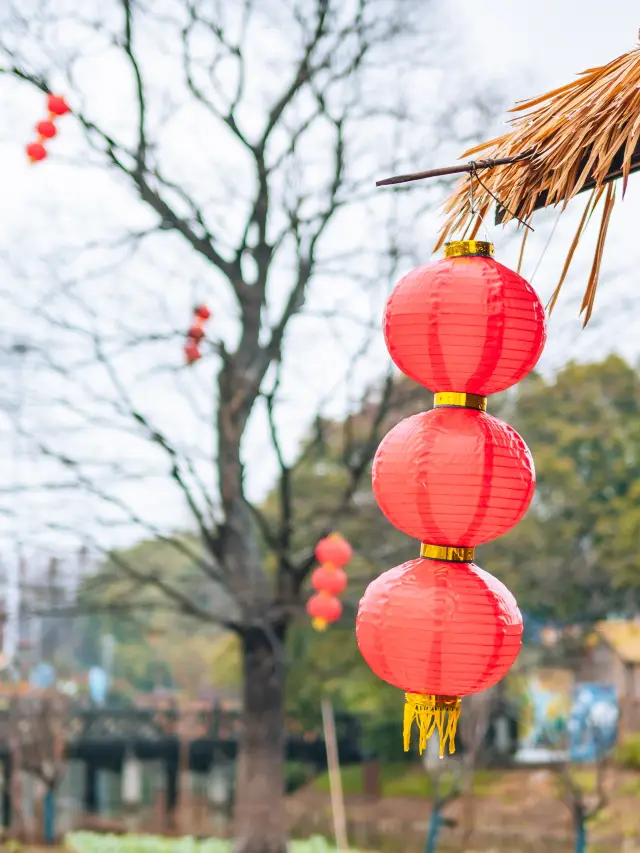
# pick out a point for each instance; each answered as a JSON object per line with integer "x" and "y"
{"x": 546, "y": 246}
{"x": 473, "y": 172}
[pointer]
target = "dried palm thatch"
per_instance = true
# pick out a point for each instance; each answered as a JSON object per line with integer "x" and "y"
{"x": 583, "y": 135}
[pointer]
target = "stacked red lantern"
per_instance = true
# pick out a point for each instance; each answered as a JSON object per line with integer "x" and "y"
{"x": 46, "y": 130}
{"x": 329, "y": 580}
{"x": 196, "y": 334}
{"x": 439, "y": 627}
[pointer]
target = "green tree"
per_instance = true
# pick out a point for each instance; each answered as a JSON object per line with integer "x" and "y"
{"x": 575, "y": 555}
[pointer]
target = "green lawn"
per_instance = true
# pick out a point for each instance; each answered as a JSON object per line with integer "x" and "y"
{"x": 404, "y": 779}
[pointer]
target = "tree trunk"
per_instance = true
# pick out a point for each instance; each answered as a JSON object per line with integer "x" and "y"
{"x": 260, "y": 825}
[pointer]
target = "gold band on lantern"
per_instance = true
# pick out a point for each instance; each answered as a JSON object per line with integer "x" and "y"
{"x": 468, "y": 248}
{"x": 448, "y": 553}
{"x": 465, "y": 401}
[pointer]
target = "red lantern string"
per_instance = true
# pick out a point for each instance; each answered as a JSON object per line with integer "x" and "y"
{"x": 196, "y": 334}
{"x": 439, "y": 627}
{"x": 46, "y": 130}
{"x": 329, "y": 580}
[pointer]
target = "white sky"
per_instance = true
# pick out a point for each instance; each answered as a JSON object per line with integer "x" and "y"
{"x": 523, "y": 48}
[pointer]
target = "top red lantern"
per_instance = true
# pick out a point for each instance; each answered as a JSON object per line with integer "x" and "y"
{"x": 57, "y": 105}
{"x": 465, "y": 324}
{"x": 334, "y": 549}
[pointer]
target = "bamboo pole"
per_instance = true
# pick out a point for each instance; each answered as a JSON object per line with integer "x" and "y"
{"x": 335, "y": 781}
{"x": 458, "y": 169}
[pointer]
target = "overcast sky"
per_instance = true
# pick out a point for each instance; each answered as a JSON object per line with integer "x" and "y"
{"x": 520, "y": 49}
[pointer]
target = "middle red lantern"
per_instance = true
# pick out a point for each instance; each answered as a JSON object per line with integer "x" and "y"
{"x": 328, "y": 579}
{"x": 453, "y": 476}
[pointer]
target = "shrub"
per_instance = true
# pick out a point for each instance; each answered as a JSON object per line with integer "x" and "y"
{"x": 297, "y": 774}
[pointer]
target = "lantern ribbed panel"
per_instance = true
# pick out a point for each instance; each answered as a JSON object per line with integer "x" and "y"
{"x": 465, "y": 324}
{"x": 439, "y": 628}
{"x": 453, "y": 476}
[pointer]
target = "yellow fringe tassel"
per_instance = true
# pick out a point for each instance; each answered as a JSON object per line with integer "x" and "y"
{"x": 432, "y": 713}
{"x": 319, "y": 624}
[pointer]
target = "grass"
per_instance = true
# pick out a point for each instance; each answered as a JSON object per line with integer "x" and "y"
{"x": 404, "y": 779}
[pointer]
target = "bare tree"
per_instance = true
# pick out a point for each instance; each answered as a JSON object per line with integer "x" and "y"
{"x": 284, "y": 103}
{"x": 38, "y": 729}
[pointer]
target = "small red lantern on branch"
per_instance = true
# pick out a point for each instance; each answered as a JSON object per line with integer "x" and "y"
{"x": 439, "y": 627}
{"x": 196, "y": 334}
{"x": 329, "y": 580}
{"x": 47, "y": 130}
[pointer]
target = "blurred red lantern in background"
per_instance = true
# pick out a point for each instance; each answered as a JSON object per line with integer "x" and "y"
{"x": 323, "y": 609}
{"x": 46, "y": 129}
{"x": 57, "y": 105}
{"x": 465, "y": 324}
{"x": 333, "y": 549}
{"x": 453, "y": 476}
{"x": 196, "y": 333}
{"x": 329, "y": 579}
{"x": 36, "y": 152}
{"x": 192, "y": 353}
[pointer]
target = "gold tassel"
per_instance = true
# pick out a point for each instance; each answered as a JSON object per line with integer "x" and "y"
{"x": 431, "y": 713}
{"x": 319, "y": 624}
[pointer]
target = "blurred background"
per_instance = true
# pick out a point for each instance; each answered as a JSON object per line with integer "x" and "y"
{"x": 159, "y": 507}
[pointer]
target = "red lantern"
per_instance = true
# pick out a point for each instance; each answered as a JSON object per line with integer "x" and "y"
{"x": 333, "y": 549}
{"x": 439, "y": 627}
{"x": 196, "y": 333}
{"x": 454, "y": 476}
{"x": 192, "y": 353}
{"x": 36, "y": 152}
{"x": 465, "y": 627}
{"x": 203, "y": 312}
{"x": 46, "y": 129}
{"x": 323, "y": 610}
{"x": 439, "y": 630}
{"x": 465, "y": 324}
{"x": 57, "y": 105}
{"x": 329, "y": 579}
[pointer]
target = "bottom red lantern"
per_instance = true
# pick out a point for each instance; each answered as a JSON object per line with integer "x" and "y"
{"x": 438, "y": 630}
{"x": 323, "y": 609}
